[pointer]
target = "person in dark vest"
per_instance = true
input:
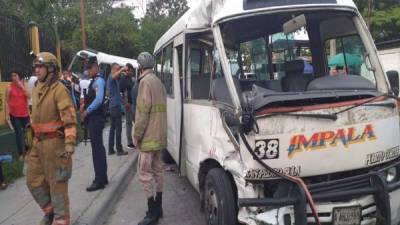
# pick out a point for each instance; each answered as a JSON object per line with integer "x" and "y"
{"x": 94, "y": 113}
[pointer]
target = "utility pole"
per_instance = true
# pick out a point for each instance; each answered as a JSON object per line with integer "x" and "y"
{"x": 83, "y": 30}
{"x": 370, "y": 8}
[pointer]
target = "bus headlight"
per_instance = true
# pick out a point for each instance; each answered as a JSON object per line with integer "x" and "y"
{"x": 391, "y": 174}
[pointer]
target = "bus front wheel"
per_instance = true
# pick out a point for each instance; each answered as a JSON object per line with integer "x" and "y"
{"x": 219, "y": 203}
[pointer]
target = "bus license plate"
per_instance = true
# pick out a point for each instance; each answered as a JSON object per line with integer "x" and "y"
{"x": 347, "y": 216}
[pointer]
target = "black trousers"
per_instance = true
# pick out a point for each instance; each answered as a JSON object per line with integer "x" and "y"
{"x": 115, "y": 129}
{"x": 96, "y": 125}
{"x": 19, "y": 124}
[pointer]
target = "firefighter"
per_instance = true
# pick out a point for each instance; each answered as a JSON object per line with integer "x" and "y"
{"x": 150, "y": 135}
{"x": 49, "y": 163}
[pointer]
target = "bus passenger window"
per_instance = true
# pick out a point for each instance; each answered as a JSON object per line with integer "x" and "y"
{"x": 200, "y": 73}
{"x": 167, "y": 70}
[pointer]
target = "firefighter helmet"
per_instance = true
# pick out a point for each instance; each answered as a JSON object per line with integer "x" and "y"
{"x": 146, "y": 60}
{"x": 45, "y": 58}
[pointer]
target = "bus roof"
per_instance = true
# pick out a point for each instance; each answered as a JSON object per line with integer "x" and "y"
{"x": 208, "y": 12}
{"x": 109, "y": 59}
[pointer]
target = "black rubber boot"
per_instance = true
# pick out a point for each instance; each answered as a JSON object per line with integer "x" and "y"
{"x": 47, "y": 219}
{"x": 159, "y": 210}
{"x": 150, "y": 218}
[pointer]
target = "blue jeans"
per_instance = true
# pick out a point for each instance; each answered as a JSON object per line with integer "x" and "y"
{"x": 129, "y": 119}
{"x": 19, "y": 124}
{"x": 115, "y": 129}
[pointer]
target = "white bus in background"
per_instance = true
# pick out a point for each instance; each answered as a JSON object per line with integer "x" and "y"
{"x": 290, "y": 145}
{"x": 77, "y": 65}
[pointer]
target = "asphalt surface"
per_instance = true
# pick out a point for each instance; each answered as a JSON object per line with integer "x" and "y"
{"x": 181, "y": 205}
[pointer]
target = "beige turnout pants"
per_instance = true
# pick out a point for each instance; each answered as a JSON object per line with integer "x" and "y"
{"x": 150, "y": 167}
{"x": 47, "y": 178}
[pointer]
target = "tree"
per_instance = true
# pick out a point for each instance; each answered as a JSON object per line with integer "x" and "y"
{"x": 117, "y": 33}
{"x": 385, "y": 17}
{"x": 386, "y": 24}
{"x": 160, "y": 16}
{"x": 166, "y": 8}
{"x": 151, "y": 30}
{"x": 110, "y": 29}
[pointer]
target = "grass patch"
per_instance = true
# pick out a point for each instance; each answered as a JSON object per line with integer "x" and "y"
{"x": 12, "y": 170}
{"x": 4, "y": 129}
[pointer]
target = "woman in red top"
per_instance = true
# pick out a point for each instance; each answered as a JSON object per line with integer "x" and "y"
{"x": 17, "y": 108}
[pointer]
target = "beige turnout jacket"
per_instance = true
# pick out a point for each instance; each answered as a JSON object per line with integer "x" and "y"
{"x": 151, "y": 114}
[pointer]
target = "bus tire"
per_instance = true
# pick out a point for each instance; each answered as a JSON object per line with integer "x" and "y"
{"x": 219, "y": 200}
{"x": 166, "y": 157}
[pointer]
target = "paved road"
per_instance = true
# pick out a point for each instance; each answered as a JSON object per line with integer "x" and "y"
{"x": 181, "y": 203}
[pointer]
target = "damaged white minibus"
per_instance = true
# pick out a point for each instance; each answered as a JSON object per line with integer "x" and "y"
{"x": 279, "y": 112}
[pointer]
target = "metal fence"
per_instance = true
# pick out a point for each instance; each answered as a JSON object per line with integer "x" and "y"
{"x": 15, "y": 46}
{"x": 47, "y": 40}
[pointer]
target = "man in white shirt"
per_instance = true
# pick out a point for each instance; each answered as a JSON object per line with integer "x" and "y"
{"x": 31, "y": 83}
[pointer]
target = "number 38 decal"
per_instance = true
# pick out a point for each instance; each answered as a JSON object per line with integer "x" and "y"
{"x": 267, "y": 149}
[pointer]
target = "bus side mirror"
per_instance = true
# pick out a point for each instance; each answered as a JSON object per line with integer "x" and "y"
{"x": 393, "y": 77}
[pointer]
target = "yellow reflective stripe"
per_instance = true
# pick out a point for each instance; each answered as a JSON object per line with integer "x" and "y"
{"x": 153, "y": 109}
{"x": 148, "y": 145}
{"x": 142, "y": 108}
{"x": 158, "y": 108}
{"x": 139, "y": 131}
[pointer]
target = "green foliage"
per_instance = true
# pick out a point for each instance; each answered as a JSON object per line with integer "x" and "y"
{"x": 109, "y": 29}
{"x": 115, "y": 32}
{"x": 160, "y": 16}
{"x": 385, "y": 17}
{"x": 12, "y": 170}
{"x": 386, "y": 24}
{"x": 166, "y": 8}
{"x": 4, "y": 129}
{"x": 152, "y": 29}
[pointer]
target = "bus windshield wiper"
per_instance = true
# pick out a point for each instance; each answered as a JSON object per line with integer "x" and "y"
{"x": 365, "y": 103}
{"x": 309, "y": 115}
{"x": 334, "y": 116}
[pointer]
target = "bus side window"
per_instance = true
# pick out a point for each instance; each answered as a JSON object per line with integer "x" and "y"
{"x": 158, "y": 64}
{"x": 200, "y": 73}
{"x": 168, "y": 70}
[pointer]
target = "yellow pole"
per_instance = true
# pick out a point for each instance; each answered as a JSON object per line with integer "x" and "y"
{"x": 34, "y": 37}
{"x": 58, "y": 45}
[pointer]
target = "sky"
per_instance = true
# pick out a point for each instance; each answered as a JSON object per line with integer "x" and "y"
{"x": 141, "y": 6}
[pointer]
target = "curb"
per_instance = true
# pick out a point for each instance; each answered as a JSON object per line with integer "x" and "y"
{"x": 103, "y": 206}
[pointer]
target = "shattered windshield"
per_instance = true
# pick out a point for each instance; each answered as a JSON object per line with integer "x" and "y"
{"x": 326, "y": 53}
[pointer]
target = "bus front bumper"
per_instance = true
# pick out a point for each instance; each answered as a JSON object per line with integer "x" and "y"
{"x": 377, "y": 200}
